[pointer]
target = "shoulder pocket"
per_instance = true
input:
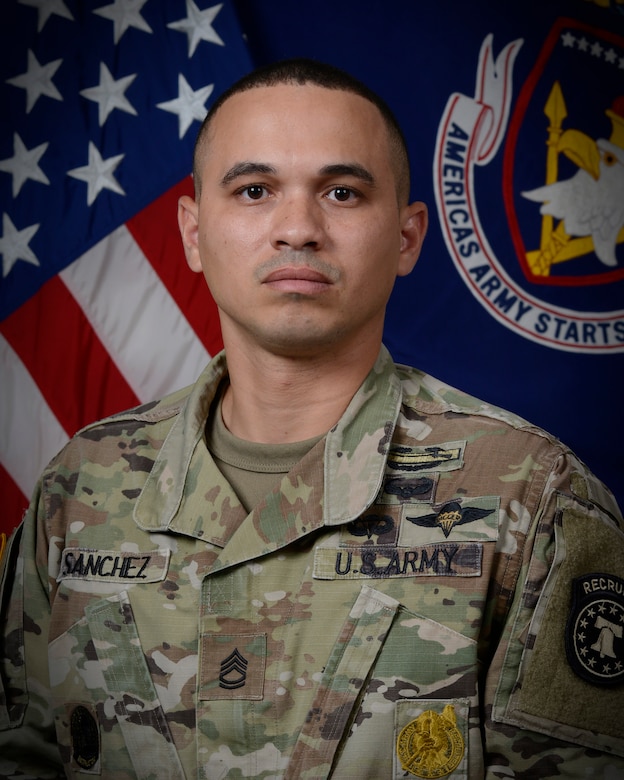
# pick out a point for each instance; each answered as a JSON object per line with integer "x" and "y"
{"x": 577, "y": 625}
{"x": 12, "y": 668}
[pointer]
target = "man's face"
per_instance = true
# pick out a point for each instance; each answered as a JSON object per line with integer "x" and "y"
{"x": 297, "y": 230}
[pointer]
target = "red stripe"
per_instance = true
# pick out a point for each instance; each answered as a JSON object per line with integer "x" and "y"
{"x": 155, "y": 229}
{"x": 14, "y": 503}
{"x": 66, "y": 359}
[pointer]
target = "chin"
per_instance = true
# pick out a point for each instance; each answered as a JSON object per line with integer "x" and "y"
{"x": 298, "y": 343}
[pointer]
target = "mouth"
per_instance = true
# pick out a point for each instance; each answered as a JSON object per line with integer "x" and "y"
{"x": 300, "y": 279}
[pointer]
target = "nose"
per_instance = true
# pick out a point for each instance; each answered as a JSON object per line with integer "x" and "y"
{"x": 298, "y": 223}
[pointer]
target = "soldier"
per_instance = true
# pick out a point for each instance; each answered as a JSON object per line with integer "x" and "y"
{"x": 313, "y": 563}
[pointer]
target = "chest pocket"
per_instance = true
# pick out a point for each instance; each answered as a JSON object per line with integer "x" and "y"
{"x": 108, "y": 707}
{"x": 387, "y": 667}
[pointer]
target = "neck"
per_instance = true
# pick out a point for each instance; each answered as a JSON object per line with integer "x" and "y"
{"x": 277, "y": 399}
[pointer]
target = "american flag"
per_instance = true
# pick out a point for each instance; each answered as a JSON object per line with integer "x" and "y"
{"x": 98, "y": 310}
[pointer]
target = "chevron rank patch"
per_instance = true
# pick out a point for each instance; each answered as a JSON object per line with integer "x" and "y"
{"x": 595, "y": 629}
{"x": 232, "y": 666}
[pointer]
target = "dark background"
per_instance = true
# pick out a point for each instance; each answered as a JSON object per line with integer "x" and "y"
{"x": 416, "y": 54}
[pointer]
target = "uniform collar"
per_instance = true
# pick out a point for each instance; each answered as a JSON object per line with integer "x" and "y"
{"x": 333, "y": 484}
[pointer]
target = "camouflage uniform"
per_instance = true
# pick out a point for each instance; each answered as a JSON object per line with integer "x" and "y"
{"x": 435, "y": 590}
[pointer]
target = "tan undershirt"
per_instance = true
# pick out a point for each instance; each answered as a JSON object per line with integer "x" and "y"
{"x": 252, "y": 469}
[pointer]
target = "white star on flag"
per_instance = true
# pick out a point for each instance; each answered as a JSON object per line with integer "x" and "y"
{"x": 568, "y": 39}
{"x": 98, "y": 174}
{"x": 611, "y": 56}
{"x": 596, "y": 49}
{"x": 24, "y": 164}
{"x": 14, "y": 244}
{"x": 109, "y": 94}
{"x": 37, "y": 81}
{"x": 198, "y": 25}
{"x": 189, "y": 105}
{"x": 124, "y": 14}
{"x": 46, "y": 8}
{"x": 90, "y": 252}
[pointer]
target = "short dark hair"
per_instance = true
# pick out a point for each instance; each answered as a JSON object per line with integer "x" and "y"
{"x": 305, "y": 71}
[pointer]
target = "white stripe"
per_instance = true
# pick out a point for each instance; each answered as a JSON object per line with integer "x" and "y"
{"x": 135, "y": 317}
{"x": 30, "y": 434}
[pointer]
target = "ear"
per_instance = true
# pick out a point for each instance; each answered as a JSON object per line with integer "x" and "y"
{"x": 414, "y": 221}
{"x": 189, "y": 230}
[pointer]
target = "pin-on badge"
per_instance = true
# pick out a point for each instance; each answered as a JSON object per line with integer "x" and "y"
{"x": 431, "y": 745}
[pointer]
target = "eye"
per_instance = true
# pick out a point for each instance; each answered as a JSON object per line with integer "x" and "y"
{"x": 252, "y": 192}
{"x": 342, "y": 194}
{"x": 609, "y": 158}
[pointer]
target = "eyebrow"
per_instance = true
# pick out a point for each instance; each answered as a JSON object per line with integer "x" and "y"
{"x": 246, "y": 169}
{"x": 349, "y": 169}
{"x": 249, "y": 168}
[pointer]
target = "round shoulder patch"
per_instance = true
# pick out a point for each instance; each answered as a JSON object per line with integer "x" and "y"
{"x": 595, "y": 629}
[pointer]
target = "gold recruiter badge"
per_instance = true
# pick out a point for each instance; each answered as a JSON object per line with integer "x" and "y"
{"x": 431, "y": 745}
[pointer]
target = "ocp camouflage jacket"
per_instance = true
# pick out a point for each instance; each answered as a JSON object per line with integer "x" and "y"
{"x": 435, "y": 590}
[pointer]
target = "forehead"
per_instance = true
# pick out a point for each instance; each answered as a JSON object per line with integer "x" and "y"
{"x": 290, "y": 118}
